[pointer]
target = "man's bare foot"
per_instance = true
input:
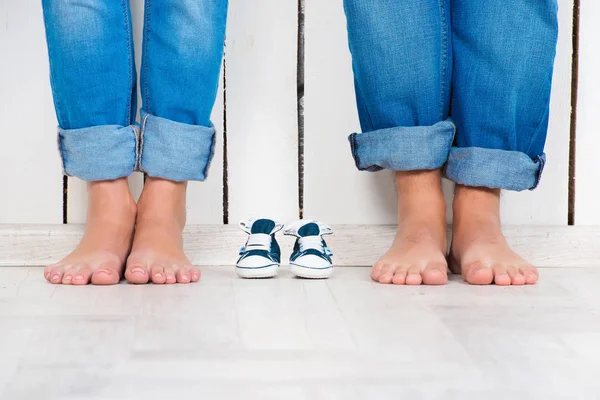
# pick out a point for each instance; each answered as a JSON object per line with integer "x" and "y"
{"x": 418, "y": 254}
{"x": 157, "y": 254}
{"x": 101, "y": 254}
{"x": 479, "y": 250}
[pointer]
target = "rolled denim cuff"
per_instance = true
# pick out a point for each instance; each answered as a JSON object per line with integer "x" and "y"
{"x": 98, "y": 153}
{"x": 174, "y": 150}
{"x": 403, "y": 148}
{"x": 491, "y": 168}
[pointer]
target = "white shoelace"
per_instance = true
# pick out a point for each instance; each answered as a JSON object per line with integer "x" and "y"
{"x": 258, "y": 241}
{"x": 311, "y": 242}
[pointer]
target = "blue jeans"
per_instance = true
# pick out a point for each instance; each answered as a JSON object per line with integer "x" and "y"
{"x": 459, "y": 84}
{"x": 93, "y": 78}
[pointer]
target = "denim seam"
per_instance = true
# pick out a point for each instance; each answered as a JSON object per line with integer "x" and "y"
{"x": 538, "y": 175}
{"x": 128, "y": 35}
{"x": 136, "y": 131}
{"x": 366, "y": 109}
{"x": 546, "y": 113}
{"x": 145, "y": 55}
{"x": 141, "y": 143}
{"x": 444, "y": 57}
{"x": 60, "y": 151}
{"x": 354, "y": 147}
{"x": 212, "y": 153}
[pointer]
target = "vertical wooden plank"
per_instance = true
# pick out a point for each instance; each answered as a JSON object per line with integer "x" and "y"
{"x": 204, "y": 198}
{"x": 337, "y": 193}
{"x": 261, "y": 109}
{"x": 587, "y": 172}
{"x": 30, "y": 171}
{"x": 548, "y": 204}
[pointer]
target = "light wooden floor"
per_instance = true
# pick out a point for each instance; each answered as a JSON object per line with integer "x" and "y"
{"x": 345, "y": 338}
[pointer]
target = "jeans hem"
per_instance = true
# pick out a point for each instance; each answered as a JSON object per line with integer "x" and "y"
{"x": 403, "y": 148}
{"x": 493, "y": 168}
{"x": 97, "y": 153}
{"x": 174, "y": 150}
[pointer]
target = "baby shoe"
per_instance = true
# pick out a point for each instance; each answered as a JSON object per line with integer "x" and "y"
{"x": 260, "y": 257}
{"x": 311, "y": 257}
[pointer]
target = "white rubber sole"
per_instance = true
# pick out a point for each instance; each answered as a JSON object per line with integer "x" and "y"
{"x": 310, "y": 273}
{"x": 257, "y": 273}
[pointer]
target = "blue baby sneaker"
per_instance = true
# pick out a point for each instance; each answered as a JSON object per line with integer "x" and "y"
{"x": 261, "y": 255}
{"x": 311, "y": 257}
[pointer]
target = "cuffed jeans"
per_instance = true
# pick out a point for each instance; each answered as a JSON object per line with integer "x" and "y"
{"x": 93, "y": 78}
{"x": 459, "y": 84}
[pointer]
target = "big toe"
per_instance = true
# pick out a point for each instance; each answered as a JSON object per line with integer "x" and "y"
{"x": 478, "y": 274}
{"x": 435, "y": 274}
{"x": 106, "y": 275}
{"x": 136, "y": 273}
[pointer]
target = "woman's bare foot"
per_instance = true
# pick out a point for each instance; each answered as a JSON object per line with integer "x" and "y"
{"x": 418, "y": 254}
{"x": 101, "y": 254}
{"x": 157, "y": 253}
{"x": 479, "y": 250}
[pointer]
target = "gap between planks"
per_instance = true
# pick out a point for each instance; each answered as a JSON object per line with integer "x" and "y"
{"x": 353, "y": 245}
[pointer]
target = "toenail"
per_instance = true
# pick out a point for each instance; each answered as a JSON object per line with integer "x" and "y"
{"x": 158, "y": 275}
{"x": 103, "y": 271}
{"x": 68, "y": 278}
{"x": 78, "y": 277}
{"x": 137, "y": 270}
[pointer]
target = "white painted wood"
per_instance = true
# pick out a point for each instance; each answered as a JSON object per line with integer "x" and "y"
{"x": 587, "y": 173}
{"x": 30, "y": 172}
{"x": 262, "y": 134}
{"x": 336, "y": 192}
{"x": 345, "y": 338}
{"x": 544, "y": 246}
{"x": 205, "y": 199}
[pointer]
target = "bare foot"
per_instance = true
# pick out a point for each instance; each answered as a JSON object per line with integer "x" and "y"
{"x": 418, "y": 254}
{"x": 101, "y": 254}
{"x": 157, "y": 253}
{"x": 479, "y": 250}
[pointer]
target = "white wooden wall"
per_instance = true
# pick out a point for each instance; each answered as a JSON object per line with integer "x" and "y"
{"x": 261, "y": 124}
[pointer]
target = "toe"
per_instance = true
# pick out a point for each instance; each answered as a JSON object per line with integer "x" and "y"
{"x": 501, "y": 276}
{"x": 136, "y": 272}
{"x": 195, "y": 272}
{"x": 107, "y": 274}
{"x": 413, "y": 277}
{"x": 435, "y": 274}
{"x": 376, "y": 270}
{"x": 170, "y": 275}
{"x": 387, "y": 274}
{"x": 400, "y": 276}
{"x": 183, "y": 275}
{"x": 478, "y": 274}
{"x": 516, "y": 278}
{"x": 48, "y": 271}
{"x": 57, "y": 274}
{"x": 69, "y": 274}
{"x": 530, "y": 274}
{"x": 67, "y": 277}
{"x": 157, "y": 274}
{"x": 82, "y": 276}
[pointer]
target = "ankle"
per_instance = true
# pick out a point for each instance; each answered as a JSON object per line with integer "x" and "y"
{"x": 111, "y": 200}
{"x": 476, "y": 204}
{"x": 163, "y": 202}
{"x": 420, "y": 196}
